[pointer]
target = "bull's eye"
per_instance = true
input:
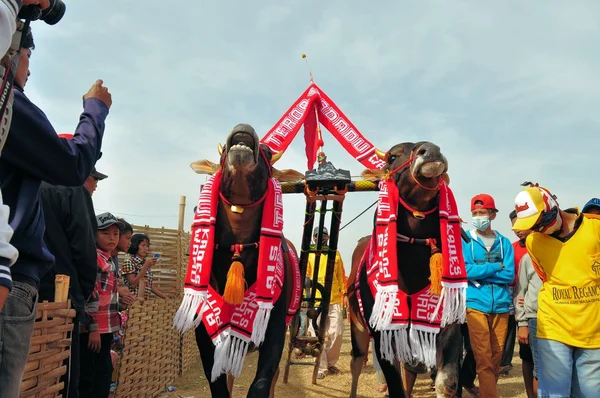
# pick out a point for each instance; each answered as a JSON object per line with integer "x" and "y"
{"x": 391, "y": 159}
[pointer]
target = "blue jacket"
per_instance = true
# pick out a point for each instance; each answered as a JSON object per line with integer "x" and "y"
{"x": 488, "y": 290}
{"x": 34, "y": 153}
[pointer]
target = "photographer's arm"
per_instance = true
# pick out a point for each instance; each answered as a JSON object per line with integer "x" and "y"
{"x": 57, "y": 160}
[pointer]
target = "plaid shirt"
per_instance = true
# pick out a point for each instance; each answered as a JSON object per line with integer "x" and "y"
{"x": 103, "y": 310}
{"x": 133, "y": 265}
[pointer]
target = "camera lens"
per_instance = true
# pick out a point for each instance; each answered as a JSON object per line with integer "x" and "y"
{"x": 54, "y": 13}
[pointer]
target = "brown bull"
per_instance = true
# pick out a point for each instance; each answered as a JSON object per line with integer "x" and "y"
{"x": 418, "y": 187}
{"x": 246, "y": 166}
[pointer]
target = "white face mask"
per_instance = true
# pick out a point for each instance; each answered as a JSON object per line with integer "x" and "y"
{"x": 481, "y": 223}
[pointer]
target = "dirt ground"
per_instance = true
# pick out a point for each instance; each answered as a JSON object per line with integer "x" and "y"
{"x": 194, "y": 385}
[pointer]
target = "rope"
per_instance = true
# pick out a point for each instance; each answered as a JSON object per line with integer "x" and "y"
{"x": 363, "y": 212}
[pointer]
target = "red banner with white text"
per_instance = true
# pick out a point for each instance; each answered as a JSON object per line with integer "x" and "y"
{"x": 314, "y": 107}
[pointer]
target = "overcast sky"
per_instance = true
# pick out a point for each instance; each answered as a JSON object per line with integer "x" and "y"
{"x": 509, "y": 90}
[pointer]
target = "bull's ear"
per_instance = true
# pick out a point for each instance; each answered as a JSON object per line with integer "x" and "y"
{"x": 372, "y": 175}
{"x": 446, "y": 178}
{"x": 287, "y": 175}
{"x": 205, "y": 167}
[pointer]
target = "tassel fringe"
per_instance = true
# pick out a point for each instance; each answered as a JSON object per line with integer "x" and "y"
{"x": 423, "y": 347}
{"x": 235, "y": 287}
{"x": 192, "y": 304}
{"x": 230, "y": 354}
{"x": 455, "y": 305}
{"x": 261, "y": 321}
{"x": 436, "y": 263}
{"x": 383, "y": 309}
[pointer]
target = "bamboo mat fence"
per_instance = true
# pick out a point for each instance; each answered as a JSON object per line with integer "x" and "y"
{"x": 153, "y": 353}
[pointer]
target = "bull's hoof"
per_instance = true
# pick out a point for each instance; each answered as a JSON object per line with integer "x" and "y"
{"x": 447, "y": 389}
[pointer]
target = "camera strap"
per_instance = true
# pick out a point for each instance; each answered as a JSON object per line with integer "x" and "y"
{"x": 6, "y": 89}
{"x": 6, "y": 97}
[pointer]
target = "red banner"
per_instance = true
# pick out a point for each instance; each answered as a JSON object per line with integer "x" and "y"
{"x": 331, "y": 117}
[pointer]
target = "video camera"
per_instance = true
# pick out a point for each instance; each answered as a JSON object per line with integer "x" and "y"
{"x": 51, "y": 15}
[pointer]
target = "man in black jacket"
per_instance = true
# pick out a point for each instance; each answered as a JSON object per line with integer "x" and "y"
{"x": 70, "y": 226}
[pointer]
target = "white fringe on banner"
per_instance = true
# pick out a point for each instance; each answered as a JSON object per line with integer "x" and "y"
{"x": 454, "y": 299}
{"x": 230, "y": 354}
{"x": 261, "y": 321}
{"x": 393, "y": 344}
{"x": 222, "y": 348}
{"x": 376, "y": 365}
{"x": 192, "y": 301}
{"x": 383, "y": 309}
{"x": 423, "y": 346}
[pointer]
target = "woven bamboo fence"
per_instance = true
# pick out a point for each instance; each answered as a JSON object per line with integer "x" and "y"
{"x": 154, "y": 353}
{"x": 50, "y": 346}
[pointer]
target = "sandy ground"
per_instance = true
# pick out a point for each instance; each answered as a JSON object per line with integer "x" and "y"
{"x": 194, "y": 384}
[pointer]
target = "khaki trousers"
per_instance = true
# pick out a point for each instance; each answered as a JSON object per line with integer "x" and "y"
{"x": 487, "y": 333}
{"x": 333, "y": 338}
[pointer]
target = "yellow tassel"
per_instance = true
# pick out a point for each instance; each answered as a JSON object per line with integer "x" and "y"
{"x": 235, "y": 287}
{"x": 435, "y": 268}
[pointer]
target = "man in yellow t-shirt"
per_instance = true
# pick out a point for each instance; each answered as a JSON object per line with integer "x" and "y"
{"x": 564, "y": 247}
{"x": 335, "y": 321}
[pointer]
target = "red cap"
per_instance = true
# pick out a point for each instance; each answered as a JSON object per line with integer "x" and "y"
{"x": 483, "y": 201}
{"x": 66, "y": 135}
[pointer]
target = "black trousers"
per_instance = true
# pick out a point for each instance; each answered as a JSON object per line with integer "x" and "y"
{"x": 71, "y": 378}
{"x": 95, "y": 367}
{"x": 468, "y": 371}
{"x": 509, "y": 344}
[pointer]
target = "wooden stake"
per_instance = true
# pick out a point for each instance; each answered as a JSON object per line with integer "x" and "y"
{"x": 181, "y": 212}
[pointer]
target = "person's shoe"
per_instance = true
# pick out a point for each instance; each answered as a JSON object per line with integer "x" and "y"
{"x": 333, "y": 370}
{"x": 473, "y": 391}
{"x": 320, "y": 375}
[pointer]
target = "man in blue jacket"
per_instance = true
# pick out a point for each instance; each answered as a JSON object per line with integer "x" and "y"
{"x": 34, "y": 153}
{"x": 489, "y": 261}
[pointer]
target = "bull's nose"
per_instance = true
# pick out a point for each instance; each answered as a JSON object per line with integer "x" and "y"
{"x": 428, "y": 150}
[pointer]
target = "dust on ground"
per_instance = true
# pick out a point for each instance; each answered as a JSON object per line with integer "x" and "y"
{"x": 193, "y": 384}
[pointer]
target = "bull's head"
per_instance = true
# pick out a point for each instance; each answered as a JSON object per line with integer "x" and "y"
{"x": 242, "y": 155}
{"x": 416, "y": 167}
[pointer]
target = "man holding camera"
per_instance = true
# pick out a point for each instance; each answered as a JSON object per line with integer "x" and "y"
{"x": 34, "y": 153}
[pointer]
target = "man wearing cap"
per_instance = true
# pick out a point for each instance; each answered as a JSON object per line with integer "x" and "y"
{"x": 91, "y": 183}
{"x": 592, "y": 207}
{"x": 335, "y": 321}
{"x": 489, "y": 261}
{"x": 70, "y": 236}
{"x": 564, "y": 247}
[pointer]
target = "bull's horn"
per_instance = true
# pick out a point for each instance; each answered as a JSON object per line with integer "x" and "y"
{"x": 276, "y": 157}
{"x": 220, "y": 147}
{"x": 380, "y": 154}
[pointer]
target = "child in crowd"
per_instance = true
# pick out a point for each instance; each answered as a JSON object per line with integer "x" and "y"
{"x": 138, "y": 265}
{"x": 103, "y": 310}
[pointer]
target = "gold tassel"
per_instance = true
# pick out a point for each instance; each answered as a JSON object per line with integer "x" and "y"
{"x": 235, "y": 287}
{"x": 436, "y": 268}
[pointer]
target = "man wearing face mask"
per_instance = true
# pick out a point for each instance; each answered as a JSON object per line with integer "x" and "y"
{"x": 564, "y": 247}
{"x": 489, "y": 261}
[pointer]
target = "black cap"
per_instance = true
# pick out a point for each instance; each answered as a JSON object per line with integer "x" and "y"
{"x": 96, "y": 174}
{"x": 316, "y": 231}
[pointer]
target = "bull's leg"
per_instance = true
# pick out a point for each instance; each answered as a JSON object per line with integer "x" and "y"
{"x": 270, "y": 352}
{"x": 449, "y": 346}
{"x": 207, "y": 354}
{"x": 390, "y": 370}
{"x": 359, "y": 336}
